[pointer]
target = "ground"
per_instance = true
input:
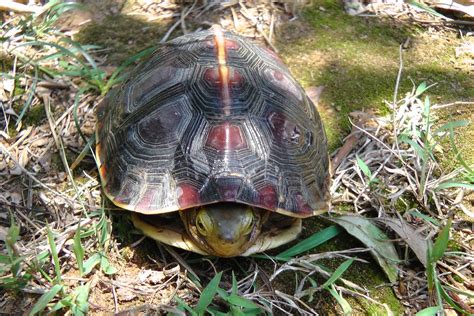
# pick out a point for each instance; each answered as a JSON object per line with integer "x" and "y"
{"x": 354, "y": 59}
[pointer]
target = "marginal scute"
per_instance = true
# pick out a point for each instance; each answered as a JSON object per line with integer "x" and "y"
{"x": 205, "y": 121}
{"x": 229, "y": 188}
{"x": 188, "y": 196}
{"x": 267, "y": 197}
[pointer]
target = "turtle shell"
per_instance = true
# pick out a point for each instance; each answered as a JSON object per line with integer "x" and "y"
{"x": 211, "y": 117}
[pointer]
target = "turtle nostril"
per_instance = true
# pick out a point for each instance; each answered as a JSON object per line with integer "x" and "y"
{"x": 228, "y": 239}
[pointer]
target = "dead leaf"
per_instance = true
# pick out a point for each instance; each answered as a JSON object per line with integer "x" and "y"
{"x": 370, "y": 235}
{"x": 415, "y": 241}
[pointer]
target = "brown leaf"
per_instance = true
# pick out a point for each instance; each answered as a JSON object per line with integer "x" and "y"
{"x": 415, "y": 240}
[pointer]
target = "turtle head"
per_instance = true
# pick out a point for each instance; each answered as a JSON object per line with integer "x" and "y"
{"x": 224, "y": 229}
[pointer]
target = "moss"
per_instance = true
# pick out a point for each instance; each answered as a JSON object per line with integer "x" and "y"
{"x": 357, "y": 60}
{"x": 122, "y": 36}
{"x": 35, "y": 115}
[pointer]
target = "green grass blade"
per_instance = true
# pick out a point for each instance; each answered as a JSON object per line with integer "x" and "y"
{"x": 429, "y": 311}
{"x": 81, "y": 50}
{"x": 208, "y": 294}
{"x": 76, "y": 119}
{"x": 363, "y": 167}
{"x": 450, "y": 301}
{"x": 425, "y": 217}
{"x": 457, "y": 153}
{"x": 346, "y": 307}
{"x": 78, "y": 250}
{"x": 90, "y": 263}
{"x": 12, "y": 237}
{"x": 29, "y": 100}
{"x": 311, "y": 242}
{"x": 234, "y": 284}
{"x": 452, "y": 125}
{"x": 427, "y": 9}
{"x": 421, "y": 89}
{"x": 115, "y": 77}
{"x": 337, "y": 274}
{"x": 81, "y": 305}
{"x": 441, "y": 243}
{"x": 183, "y": 306}
{"x": 452, "y": 184}
{"x": 54, "y": 254}
{"x": 45, "y": 299}
{"x": 106, "y": 267}
{"x": 419, "y": 151}
{"x": 240, "y": 301}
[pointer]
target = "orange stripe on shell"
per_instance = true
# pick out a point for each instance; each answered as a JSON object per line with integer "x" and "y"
{"x": 223, "y": 70}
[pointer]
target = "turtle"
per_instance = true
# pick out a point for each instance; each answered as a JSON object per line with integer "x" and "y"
{"x": 213, "y": 146}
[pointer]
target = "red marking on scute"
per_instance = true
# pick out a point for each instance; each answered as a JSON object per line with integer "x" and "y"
{"x": 146, "y": 202}
{"x": 226, "y": 136}
{"x": 211, "y": 75}
{"x": 278, "y": 75}
{"x": 284, "y": 82}
{"x": 267, "y": 197}
{"x": 235, "y": 77}
{"x": 232, "y": 45}
{"x": 303, "y": 207}
{"x": 284, "y": 129}
{"x": 188, "y": 196}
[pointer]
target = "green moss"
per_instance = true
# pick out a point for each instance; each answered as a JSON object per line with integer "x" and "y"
{"x": 357, "y": 60}
{"x": 122, "y": 36}
{"x": 35, "y": 115}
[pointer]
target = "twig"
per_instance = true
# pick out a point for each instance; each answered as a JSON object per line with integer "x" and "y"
{"x": 6, "y": 5}
{"x": 442, "y": 106}
{"x": 114, "y": 293}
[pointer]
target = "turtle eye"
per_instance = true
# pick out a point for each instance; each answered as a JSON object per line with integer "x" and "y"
{"x": 203, "y": 223}
{"x": 247, "y": 226}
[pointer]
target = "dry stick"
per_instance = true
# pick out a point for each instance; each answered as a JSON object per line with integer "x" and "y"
{"x": 272, "y": 26}
{"x": 26, "y": 218}
{"x": 6, "y": 5}
{"x": 180, "y": 260}
{"x": 441, "y": 106}
{"x": 459, "y": 274}
{"x": 114, "y": 294}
